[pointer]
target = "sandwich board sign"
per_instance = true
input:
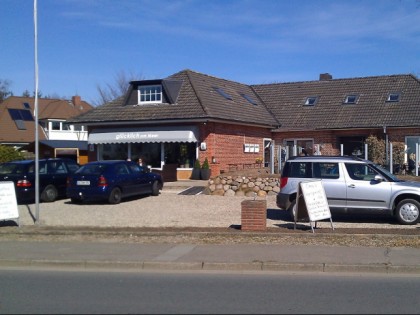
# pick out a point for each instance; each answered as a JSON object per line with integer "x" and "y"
{"x": 312, "y": 203}
{"x": 8, "y": 203}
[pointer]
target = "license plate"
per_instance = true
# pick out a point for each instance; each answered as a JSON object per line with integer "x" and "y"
{"x": 83, "y": 182}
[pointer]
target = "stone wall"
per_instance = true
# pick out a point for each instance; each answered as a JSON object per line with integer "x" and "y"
{"x": 237, "y": 185}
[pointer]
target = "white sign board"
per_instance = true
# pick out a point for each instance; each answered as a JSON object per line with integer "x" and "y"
{"x": 314, "y": 204}
{"x": 316, "y": 200}
{"x": 8, "y": 203}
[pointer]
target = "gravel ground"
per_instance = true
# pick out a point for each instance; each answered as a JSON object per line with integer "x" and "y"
{"x": 173, "y": 218}
{"x": 169, "y": 210}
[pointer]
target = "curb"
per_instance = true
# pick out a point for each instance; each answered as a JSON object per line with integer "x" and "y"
{"x": 213, "y": 266}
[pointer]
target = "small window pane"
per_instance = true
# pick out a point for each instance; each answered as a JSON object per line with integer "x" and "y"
{"x": 351, "y": 99}
{"x": 311, "y": 100}
{"x": 393, "y": 97}
{"x": 150, "y": 94}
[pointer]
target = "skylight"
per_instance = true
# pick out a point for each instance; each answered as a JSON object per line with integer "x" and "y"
{"x": 351, "y": 99}
{"x": 249, "y": 99}
{"x": 223, "y": 93}
{"x": 26, "y": 105}
{"x": 311, "y": 100}
{"x": 393, "y": 97}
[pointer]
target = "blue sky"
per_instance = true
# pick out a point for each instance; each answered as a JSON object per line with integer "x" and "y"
{"x": 86, "y": 43}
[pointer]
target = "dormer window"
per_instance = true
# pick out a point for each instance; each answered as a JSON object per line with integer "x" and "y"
{"x": 393, "y": 97}
{"x": 311, "y": 100}
{"x": 351, "y": 99}
{"x": 150, "y": 94}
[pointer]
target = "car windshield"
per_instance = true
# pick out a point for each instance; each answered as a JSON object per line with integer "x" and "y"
{"x": 92, "y": 169}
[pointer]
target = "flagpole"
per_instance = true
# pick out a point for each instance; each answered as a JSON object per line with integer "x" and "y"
{"x": 36, "y": 116}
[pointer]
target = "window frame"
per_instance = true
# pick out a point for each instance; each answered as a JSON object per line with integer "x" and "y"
{"x": 348, "y": 96}
{"x": 308, "y": 101}
{"x": 156, "y": 96}
{"x": 389, "y": 100}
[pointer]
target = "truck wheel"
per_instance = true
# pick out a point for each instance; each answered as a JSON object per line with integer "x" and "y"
{"x": 408, "y": 212}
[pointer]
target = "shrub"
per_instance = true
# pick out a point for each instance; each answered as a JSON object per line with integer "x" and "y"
{"x": 9, "y": 154}
{"x": 376, "y": 150}
{"x": 197, "y": 164}
{"x": 205, "y": 164}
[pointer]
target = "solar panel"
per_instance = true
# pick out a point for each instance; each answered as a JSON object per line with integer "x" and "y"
{"x": 26, "y": 115}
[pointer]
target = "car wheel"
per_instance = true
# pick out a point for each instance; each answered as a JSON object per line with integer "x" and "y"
{"x": 49, "y": 194}
{"x": 292, "y": 209}
{"x": 115, "y": 196}
{"x": 155, "y": 188}
{"x": 408, "y": 212}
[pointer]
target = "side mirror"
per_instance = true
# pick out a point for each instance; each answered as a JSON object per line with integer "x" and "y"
{"x": 379, "y": 178}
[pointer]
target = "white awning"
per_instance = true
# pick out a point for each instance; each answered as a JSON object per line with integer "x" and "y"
{"x": 136, "y": 136}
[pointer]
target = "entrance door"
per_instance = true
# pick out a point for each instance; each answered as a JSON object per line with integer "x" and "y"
{"x": 267, "y": 152}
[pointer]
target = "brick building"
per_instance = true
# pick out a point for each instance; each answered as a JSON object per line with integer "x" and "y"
{"x": 172, "y": 122}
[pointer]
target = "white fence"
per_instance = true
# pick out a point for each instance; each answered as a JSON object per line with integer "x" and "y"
{"x": 283, "y": 153}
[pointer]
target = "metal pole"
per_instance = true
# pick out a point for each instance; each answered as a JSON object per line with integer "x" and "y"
{"x": 36, "y": 116}
{"x": 417, "y": 159}
{"x": 391, "y": 167}
{"x": 342, "y": 149}
{"x": 366, "y": 151}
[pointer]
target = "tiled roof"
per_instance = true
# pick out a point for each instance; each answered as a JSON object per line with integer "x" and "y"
{"x": 278, "y": 104}
{"x": 47, "y": 108}
{"x": 197, "y": 100}
{"x": 286, "y": 101}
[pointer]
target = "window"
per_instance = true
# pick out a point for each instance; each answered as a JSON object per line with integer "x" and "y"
{"x": 55, "y": 125}
{"x": 360, "y": 171}
{"x": 393, "y": 97}
{"x": 223, "y": 93}
{"x": 150, "y": 94}
{"x": 249, "y": 99}
{"x": 26, "y": 105}
{"x": 351, "y": 99}
{"x": 311, "y": 100}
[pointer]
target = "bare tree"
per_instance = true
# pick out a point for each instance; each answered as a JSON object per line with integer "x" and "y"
{"x": 5, "y": 89}
{"x": 115, "y": 89}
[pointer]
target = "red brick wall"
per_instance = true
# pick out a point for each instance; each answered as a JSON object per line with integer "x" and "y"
{"x": 253, "y": 215}
{"x": 225, "y": 142}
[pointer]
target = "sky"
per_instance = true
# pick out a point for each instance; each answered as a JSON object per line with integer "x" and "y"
{"x": 83, "y": 44}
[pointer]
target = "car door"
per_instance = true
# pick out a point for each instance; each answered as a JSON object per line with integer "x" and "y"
{"x": 333, "y": 181}
{"x": 142, "y": 184}
{"x": 363, "y": 191}
{"x": 56, "y": 174}
{"x": 125, "y": 179}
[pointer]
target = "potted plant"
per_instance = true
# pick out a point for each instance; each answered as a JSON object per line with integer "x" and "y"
{"x": 205, "y": 170}
{"x": 196, "y": 170}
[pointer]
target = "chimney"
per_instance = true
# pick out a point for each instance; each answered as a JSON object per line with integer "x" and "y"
{"x": 325, "y": 77}
{"x": 76, "y": 100}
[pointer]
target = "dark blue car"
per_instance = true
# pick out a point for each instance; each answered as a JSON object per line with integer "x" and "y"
{"x": 52, "y": 178}
{"x": 112, "y": 181}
